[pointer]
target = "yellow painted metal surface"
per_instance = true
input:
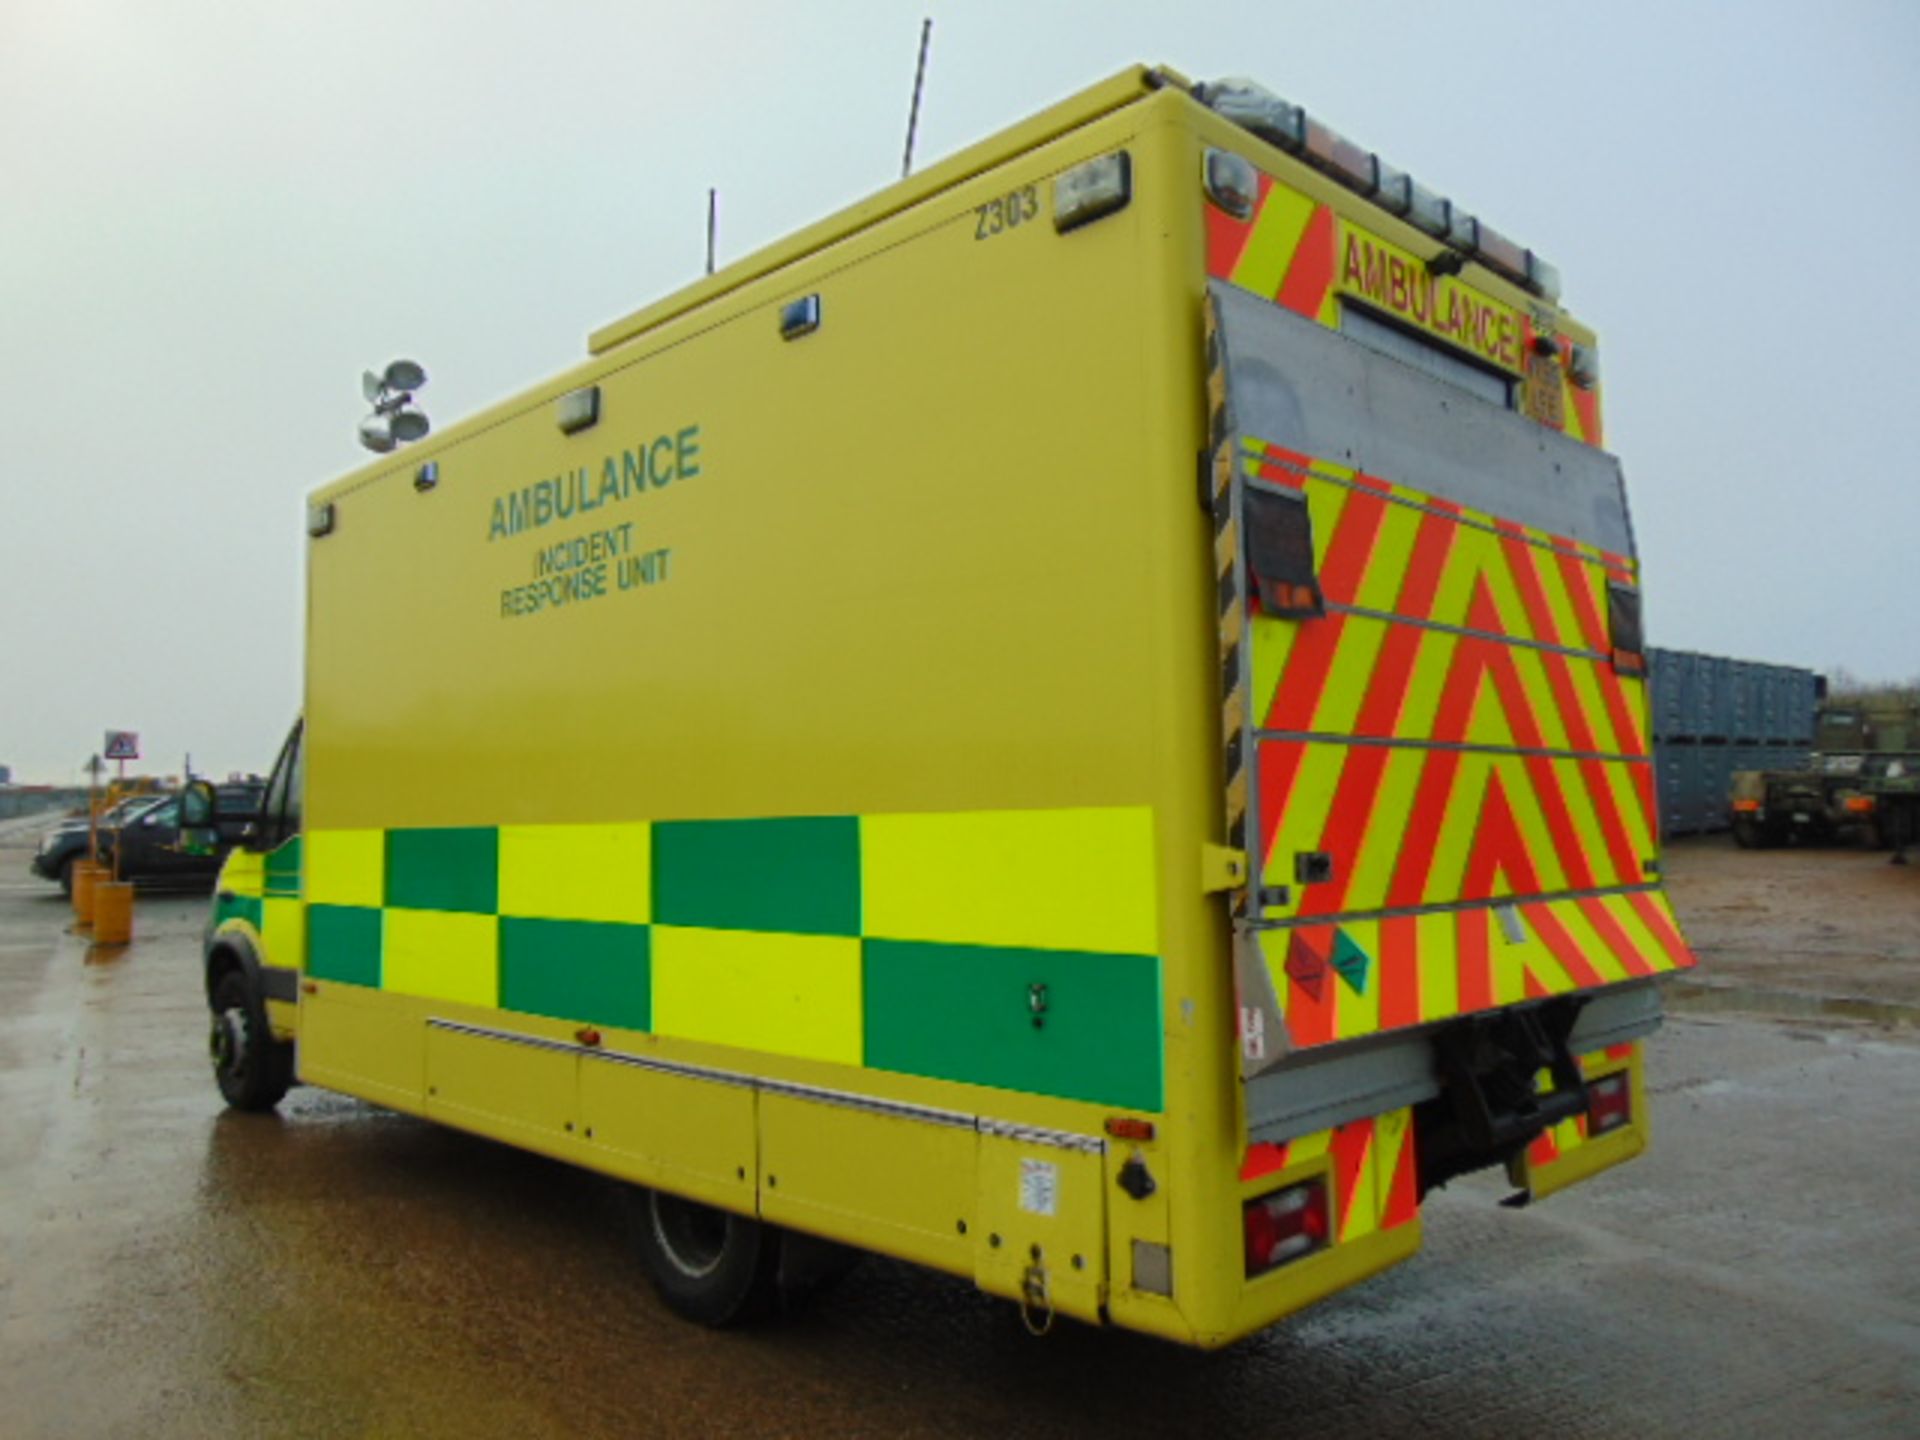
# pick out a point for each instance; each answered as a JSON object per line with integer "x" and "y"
{"x": 345, "y": 867}
{"x": 936, "y": 568}
{"x": 1043, "y": 1211}
{"x": 579, "y": 872}
{"x": 778, "y": 994}
{"x": 1566, "y": 1154}
{"x": 821, "y": 1177}
{"x": 1053, "y": 879}
{"x": 523, "y": 1094}
{"x": 441, "y": 956}
{"x": 695, "y": 1137}
{"x": 283, "y": 932}
{"x": 364, "y": 1043}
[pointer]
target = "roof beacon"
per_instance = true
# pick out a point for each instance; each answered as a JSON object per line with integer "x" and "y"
{"x": 1255, "y": 108}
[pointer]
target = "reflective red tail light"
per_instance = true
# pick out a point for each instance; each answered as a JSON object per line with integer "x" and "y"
{"x": 1285, "y": 1225}
{"x": 1609, "y": 1103}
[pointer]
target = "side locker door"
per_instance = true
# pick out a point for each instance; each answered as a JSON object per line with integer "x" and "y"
{"x": 1041, "y": 1209}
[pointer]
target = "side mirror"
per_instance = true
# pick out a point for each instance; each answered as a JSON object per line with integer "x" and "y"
{"x": 197, "y": 833}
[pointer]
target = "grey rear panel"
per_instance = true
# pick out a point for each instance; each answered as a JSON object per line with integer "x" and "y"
{"x": 1297, "y": 384}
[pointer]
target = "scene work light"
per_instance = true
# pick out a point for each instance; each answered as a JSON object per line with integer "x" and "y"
{"x": 394, "y": 421}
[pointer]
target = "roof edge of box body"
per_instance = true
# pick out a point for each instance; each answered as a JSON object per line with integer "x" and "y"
{"x": 1109, "y": 95}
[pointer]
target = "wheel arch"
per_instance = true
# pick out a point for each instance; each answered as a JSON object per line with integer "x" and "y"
{"x": 230, "y": 950}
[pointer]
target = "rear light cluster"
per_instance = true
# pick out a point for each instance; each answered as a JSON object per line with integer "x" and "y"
{"x": 1280, "y": 122}
{"x": 1285, "y": 1225}
{"x": 1609, "y": 1103}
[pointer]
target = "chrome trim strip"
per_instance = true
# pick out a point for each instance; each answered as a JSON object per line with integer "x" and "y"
{"x": 1334, "y": 607}
{"x": 846, "y": 1099}
{"x": 1039, "y": 1135}
{"x": 664, "y": 1067}
{"x": 1449, "y": 907}
{"x": 1323, "y": 737}
{"x": 872, "y": 1104}
{"x": 536, "y": 1042}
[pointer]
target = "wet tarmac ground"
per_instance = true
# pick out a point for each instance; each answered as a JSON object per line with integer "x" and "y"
{"x": 171, "y": 1269}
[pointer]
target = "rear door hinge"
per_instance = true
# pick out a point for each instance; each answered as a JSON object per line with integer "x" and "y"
{"x": 1222, "y": 868}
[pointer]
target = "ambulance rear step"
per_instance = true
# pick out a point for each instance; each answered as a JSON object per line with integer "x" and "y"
{"x": 1473, "y": 1076}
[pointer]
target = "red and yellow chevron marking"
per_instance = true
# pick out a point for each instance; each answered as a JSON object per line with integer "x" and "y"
{"x": 1340, "y": 981}
{"x": 1569, "y": 1135}
{"x": 1303, "y": 257}
{"x": 1375, "y": 1181}
{"x": 1569, "y": 1152}
{"x": 1284, "y": 252}
{"x": 1450, "y": 736}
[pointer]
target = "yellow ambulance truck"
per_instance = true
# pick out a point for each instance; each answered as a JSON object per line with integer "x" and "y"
{"x": 1079, "y": 723}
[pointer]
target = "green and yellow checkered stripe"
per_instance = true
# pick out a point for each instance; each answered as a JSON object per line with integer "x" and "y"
{"x": 907, "y": 943}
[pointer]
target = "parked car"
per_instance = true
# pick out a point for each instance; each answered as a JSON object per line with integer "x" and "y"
{"x": 65, "y": 845}
{"x": 146, "y": 834}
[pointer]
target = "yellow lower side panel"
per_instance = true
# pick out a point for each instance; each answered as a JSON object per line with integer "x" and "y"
{"x": 903, "y": 1185}
{"x": 360, "y": 1042}
{"x": 1044, "y": 1215}
{"x": 694, "y": 1137}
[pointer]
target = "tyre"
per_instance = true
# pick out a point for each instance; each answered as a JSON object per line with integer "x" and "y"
{"x": 709, "y": 1265}
{"x": 1746, "y": 834}
{"x": 66, "y": 874}
{"x": 252, "y": 1069}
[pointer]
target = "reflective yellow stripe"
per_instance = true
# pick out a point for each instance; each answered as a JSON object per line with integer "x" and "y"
{"x": 345, "y": 867}
{"x": 1041, "y": 879}
{"x": 441, "y": 955}
{"x": 785, "y": 994}
{"x": 577, "y": 872}
{"x": 1271, "y": 242}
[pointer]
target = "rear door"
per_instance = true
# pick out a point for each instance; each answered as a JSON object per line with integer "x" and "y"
{"x": 1436, "y": 715}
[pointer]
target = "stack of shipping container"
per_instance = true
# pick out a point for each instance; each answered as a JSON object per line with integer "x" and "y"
{"x": 1713, "y": 716}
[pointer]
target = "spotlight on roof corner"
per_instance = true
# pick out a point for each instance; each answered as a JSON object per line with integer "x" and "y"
{"x": 394, "y": 421}
{"x": 377, "y": 434}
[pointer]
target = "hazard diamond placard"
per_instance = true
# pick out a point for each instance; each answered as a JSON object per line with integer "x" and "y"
{"x": 122, "y": 745}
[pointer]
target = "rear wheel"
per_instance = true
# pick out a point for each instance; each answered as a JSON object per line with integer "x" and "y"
{"x": 1750, "y": 834}
{"x": 711, "y": 1266}
{"x": 252, "y": 1069}
{"x": 66, "y": 874}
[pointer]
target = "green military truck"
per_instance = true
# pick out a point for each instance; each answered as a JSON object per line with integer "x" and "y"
{"x": 1862, "y": 783}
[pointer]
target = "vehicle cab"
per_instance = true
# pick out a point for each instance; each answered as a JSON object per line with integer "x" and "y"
{"x": 255, "y": 936}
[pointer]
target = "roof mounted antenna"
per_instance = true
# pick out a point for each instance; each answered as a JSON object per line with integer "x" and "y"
{"x": 919, "y": 80}
{"x": 713, "y": 223}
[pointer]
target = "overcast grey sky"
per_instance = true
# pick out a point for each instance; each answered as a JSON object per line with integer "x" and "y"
{"x": 214, "y": 214}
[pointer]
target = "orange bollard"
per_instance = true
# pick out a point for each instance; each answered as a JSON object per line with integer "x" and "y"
{"x": 86, "y": 874}
{"x": 112, "y": 912}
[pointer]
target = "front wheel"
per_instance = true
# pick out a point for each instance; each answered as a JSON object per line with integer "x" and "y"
{"x": 711, "y": 1266}
{"x": 252, "y": 1069}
